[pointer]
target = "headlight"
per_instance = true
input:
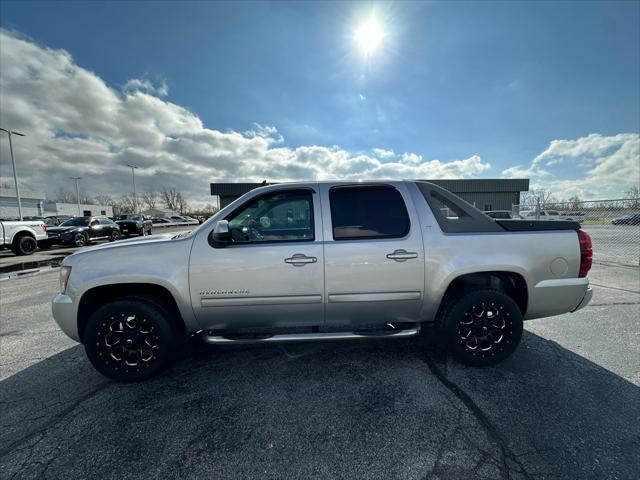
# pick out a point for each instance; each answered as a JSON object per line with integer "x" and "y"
{"x": 64, "y": 278}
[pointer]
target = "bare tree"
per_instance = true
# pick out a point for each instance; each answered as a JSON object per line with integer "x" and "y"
{"x": 633, "y": 197}
{"x": 574, "y": 202}
{"x": 545, "y": 197}
{"x": 105, "y": 200}
{"x": 126, "y": 204}
{"x": 171, "y": 198}
{"x": 65, "y": 196}
{"x": 181, "y": 203}
{"x": 149, "y": 198}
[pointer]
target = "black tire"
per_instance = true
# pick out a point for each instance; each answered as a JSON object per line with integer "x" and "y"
{"x": 24, "y": 245}
{"x": 130, "y": 339}
{"x": 481, "y": 327}
{"x": 115, "y": 235}
{"x": 44, "y": 245}
{"x": 79, "y": 240}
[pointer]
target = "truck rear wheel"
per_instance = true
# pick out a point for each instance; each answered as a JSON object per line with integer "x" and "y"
{"x": 130, "y": 339}
{"x": 482, "y": 327}
{"x": 24, "y": 245}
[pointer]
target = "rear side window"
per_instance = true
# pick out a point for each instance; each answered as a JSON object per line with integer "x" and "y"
{"x": 453, "y": 214}
{"x": 368, "y": 212}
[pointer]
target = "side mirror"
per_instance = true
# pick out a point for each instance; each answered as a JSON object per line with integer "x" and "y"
{"x": 221, "y": 233}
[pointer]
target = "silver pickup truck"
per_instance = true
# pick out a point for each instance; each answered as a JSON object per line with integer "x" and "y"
{"x": 324, "y": 261}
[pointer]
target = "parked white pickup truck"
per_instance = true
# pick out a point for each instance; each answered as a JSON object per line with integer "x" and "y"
{"x": 324, "y": 261}
{"x": 22, "y": 237}
{"x": 553, "y": 215}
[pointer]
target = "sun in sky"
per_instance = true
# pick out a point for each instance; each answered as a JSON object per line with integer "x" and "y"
{"x": 369, "y": 35}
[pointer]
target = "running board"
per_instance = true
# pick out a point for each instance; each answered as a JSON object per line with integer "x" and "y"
{"x": 310, "y": 337}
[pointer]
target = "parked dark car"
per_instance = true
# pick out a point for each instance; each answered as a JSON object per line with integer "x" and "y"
{"x": 78, "y": 231}
{"x": 627, "y": 219}
{"x": 55, "y": 220}
{"x": 134, "y": 224}
{"x": 501, "y": 214}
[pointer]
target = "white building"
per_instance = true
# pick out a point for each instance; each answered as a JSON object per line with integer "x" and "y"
{"x": 85, "y": 210}
{"x": 32, "y": 203}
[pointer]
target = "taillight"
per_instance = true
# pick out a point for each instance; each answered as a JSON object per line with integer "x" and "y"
{"x": 586, "y": 252}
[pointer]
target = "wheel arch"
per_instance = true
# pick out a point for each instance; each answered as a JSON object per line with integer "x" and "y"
{"x": 511, "y": 283}
{"x": 23, "y": 233}
{"x": 100, "y": 295}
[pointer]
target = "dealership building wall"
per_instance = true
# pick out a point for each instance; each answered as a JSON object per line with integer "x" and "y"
{"x": 71, "y": 209}
{"x": 32, "y": 203}
{"x": 485, "y": 194}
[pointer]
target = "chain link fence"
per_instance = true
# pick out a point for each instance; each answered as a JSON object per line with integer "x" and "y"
{"x": 614, "y": 225}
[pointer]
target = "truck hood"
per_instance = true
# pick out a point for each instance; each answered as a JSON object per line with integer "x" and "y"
{"x": 145, "y": 244}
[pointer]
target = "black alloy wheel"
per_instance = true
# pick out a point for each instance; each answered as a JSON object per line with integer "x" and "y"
{"x": 24, "y": 245}
{"x": 483, "y": 327}
{"x": 80, "y": 239}
{"x": 130, "y": 339}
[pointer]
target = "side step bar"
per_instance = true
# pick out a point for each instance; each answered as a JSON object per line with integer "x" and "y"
{"x": 310, "y": 337}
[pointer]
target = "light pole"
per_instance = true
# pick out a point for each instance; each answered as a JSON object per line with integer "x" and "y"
{"x": 133, "y": 179}
{"x": 77, "y": 194}
{"x": 13, "y": 163}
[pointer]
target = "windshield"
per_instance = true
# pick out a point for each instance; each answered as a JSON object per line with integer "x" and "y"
{"x": 76, "y": 222}
{"x": 129, "y": 217}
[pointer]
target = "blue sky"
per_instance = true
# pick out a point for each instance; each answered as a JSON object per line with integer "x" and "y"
{"x": 451, "y": 80}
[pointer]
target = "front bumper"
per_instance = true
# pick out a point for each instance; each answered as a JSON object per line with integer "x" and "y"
{"x": 65, "y": 312}
{"x": 129, "y": 228}
{"x": 64, "y": 239}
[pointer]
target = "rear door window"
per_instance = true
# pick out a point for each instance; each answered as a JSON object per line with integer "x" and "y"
{"x": 368, "y": 212}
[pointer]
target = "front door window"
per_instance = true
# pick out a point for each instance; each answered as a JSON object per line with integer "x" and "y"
{"x": 278, "y": 217}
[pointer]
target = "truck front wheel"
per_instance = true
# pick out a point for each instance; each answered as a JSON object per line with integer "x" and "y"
{"x": 482, "y": 327}
{"x": 24, "y": 245}
{"x": 130, "y": 339}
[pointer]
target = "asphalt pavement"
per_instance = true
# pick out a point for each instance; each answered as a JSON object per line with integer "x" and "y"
{"x": 565, "y": 405}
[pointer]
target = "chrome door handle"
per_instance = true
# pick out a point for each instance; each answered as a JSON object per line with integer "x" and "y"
{"x": 300, "y": 259}
{"x": 401, "y": 255}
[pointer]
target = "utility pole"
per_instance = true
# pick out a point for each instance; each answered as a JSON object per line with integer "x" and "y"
{"x": 77, "y": 193}
{"x": 133, "y": 179}
{"x": 13, "y": 163}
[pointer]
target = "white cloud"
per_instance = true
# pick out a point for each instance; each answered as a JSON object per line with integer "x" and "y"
{"x": 594, "y": 166}
{"x": 145, "y": 85}
{"x": 522, "y": 172}
{"x": 382, "y": 153}
{"x": 412, "y": 158}
{"x": 76, "y": 124}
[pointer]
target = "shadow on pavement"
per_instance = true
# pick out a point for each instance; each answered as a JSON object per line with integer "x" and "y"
{"x": 375, "y": 409}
